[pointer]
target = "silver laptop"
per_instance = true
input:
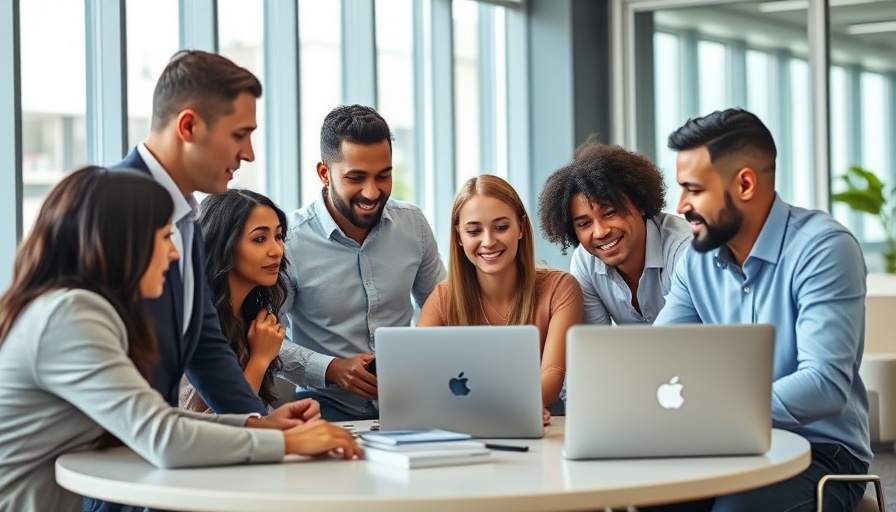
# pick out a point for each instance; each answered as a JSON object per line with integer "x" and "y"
{"x": 683, "y": 390}
{"x": 484, "y": 381}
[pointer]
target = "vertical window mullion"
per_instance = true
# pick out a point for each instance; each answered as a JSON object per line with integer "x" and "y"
{"x": 434, "y": 92}
{"x": 358, "y": 52}
{"x": 737, "y": 73}
{"x": 689, "y": 75}
{"x": 107, "y": 134}
{"x": 10, "y": 137}
{"x": 281, "y": 97}
{"x": 487, "y": 124}
{"x": 853, "y": 140}
{"x": 198, "y": 25}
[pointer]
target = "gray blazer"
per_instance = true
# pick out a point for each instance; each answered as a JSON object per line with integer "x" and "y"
{"x": 65, "y": 376}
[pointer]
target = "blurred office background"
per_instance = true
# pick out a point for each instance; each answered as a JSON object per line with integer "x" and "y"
{"x": 507, "y": 87}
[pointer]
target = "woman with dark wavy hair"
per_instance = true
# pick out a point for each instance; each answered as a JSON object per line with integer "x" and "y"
{"x": 77, "y": 349}
{"x": 243, "y": 233}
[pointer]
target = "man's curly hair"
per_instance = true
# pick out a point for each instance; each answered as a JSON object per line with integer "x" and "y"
{"x": 605, "y": 174}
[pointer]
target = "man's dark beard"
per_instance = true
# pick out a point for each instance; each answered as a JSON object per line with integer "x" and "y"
{"x": 714, "y": 236}
{"x": 346, "y": 210}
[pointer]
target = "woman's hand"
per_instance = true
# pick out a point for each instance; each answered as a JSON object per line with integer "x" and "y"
{"x": 288, "y": 415}
{"x": 265, "y": 337}
{"x": 545, "y": 416}
{"x": 318, "y": 437}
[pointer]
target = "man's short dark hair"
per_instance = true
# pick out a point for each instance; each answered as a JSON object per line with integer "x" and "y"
{"x": 205, "y": 82}
{"x": 726, "y": 133}
{"x": 357, "y": 124}
{"x": 605, "y": 174}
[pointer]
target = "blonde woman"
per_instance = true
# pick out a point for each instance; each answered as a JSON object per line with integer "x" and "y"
{"x": 492, "y": 278}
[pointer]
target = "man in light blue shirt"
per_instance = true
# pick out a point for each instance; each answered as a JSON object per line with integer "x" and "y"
{"x": 607, "y": 204}
{"x": 760, "y": 260}
{"x": 356, "y": 258}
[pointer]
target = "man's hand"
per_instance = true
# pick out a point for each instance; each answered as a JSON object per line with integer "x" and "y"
{"x": 350, "y": 375}
{"x": 545, "y": 416}
{"x": 288, "y": 415}
{"x": 318, "y": 437}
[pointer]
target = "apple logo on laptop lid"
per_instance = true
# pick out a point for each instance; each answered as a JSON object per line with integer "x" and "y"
{"x": 669, "y": 394}
{"x": 458, "y": 385}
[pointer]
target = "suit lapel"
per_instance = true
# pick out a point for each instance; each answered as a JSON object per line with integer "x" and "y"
{"x": 177, "y": 296}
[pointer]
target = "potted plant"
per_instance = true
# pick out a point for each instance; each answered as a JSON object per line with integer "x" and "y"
{"x": 865, "y": 193}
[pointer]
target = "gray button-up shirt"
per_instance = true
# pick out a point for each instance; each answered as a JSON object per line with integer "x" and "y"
{"x": 606, "y": 296}
{"x": 340, "y": 292}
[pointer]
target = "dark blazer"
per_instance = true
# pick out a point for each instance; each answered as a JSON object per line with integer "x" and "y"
{"x": 203, "y": 353}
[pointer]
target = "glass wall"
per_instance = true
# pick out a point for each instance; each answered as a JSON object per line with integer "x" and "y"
{"x": 710, "y": 58}
{"x": 54, "y": 102}
{"x": 467, "y": 136}
{"x": 756, "y": 55}
{"x": 54, "y": 66}
{"x": 395, "y": 88}
{"x": 152, "y": 38}
{"x": 241, "y": 39}
{"x": 863, "y": 108}
{"x": 320, "y": 87}
{"x": 480, "y": 89}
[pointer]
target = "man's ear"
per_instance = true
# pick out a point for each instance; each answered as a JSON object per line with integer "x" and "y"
{"x": 323, "y": 172}
{"x": 186, "y": 124}
{"x": 745, "y": 183}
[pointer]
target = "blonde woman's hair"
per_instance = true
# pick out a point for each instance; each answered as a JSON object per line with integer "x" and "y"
{"x": 463, "y": 305}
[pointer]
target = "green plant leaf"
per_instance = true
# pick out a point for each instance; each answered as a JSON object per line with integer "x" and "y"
{"x": 864, "y": 191}
{"x": 859, "y": 200}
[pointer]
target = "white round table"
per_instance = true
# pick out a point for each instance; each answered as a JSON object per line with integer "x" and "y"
{"x": 540, "y": 479}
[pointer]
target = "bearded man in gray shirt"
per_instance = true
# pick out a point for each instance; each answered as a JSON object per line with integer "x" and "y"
{"x": 356, "y": 258}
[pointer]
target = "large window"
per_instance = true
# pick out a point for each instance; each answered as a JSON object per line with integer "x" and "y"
{"x": 320, "y": 89}
{"x": 480, "y": 89}
{"x": 467, "y": 134}
{"x": 863, "y": 115}
{"x": 429, "y": 161}
{"x": 395, "y": 89}
{"x": 241, "y": 38}
{"x": 716, "y": 57}
{"x": 54, "y": 80}
{"x": 152, "y": 38}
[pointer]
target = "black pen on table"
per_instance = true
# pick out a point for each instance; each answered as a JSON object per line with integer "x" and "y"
{"x": 507, "y": 447}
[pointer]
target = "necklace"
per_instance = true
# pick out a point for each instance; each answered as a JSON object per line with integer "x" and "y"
{"x": 504, "y": 318}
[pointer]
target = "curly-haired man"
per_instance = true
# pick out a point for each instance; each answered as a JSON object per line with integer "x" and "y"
{"x": 607, "y": 203}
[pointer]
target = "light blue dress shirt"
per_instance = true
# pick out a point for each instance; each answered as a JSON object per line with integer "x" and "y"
{"x": 606, "y": 296}
{"x": 806, "y": 276}
{"x": 340, "y": 291}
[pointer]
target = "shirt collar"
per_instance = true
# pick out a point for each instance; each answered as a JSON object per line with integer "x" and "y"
{"x": 183, "y": 206}
{"x": 653, "y": 251}
{"x": 770, "y": 240}
{"x": 329, "y": 224}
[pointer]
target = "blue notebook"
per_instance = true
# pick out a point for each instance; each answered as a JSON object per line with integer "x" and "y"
{"x": 399, "y": 437}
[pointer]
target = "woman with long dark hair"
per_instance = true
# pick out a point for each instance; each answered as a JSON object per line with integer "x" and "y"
{"x": 77, "y": 349}
{"x": 243, "y": 232}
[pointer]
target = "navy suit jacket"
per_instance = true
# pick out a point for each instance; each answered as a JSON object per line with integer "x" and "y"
{"x": 203, "y": 353}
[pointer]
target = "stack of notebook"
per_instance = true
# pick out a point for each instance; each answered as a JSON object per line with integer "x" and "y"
{"x": 423, "y": 448}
